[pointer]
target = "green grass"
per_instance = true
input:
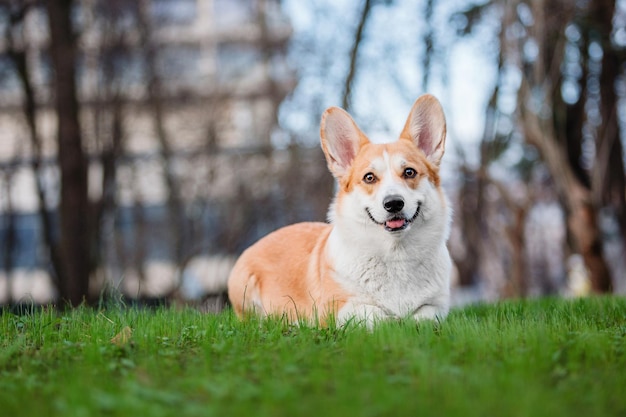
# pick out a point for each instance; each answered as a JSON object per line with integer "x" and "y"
{"x": 530, "y": 358}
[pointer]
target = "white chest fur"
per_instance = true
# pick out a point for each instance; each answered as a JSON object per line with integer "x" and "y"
{"x": 391, "y": 279}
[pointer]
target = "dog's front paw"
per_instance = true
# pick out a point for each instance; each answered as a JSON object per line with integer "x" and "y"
{"x": 363, "y": 314}
{"x": 430, "y": 312}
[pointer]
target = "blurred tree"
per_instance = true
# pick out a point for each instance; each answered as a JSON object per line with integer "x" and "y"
{"x": 109, "y": 19}
{"x": 8, "y": 238}
{"x": 560, "y": 111}
{"x": 156, "y": 100}
{"x": 354, "y": 53}
{"x": 17, "y": 50}
{"x": 608, "y": 176}
{"x": 552, "y": 134}
{"x": 74, "y": 203}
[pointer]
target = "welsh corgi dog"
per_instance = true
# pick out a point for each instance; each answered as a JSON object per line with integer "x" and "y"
{"x": 383, "y": 255}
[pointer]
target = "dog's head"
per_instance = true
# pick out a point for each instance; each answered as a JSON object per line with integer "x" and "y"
{"x": 387, "y": 186}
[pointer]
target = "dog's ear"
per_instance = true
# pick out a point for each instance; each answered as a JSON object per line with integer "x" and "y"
{"x": 426, "y": 127}
{"x": 341, "y": 140}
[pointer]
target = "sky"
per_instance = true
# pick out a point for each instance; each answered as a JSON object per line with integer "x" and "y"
{"x": 390, "y": 71}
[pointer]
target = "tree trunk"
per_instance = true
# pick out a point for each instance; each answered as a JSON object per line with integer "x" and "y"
{"x": 8, "y": 239}
{"x": 176, "y": 218}
{"x": 24, "y": 73}
{"x": 608, "y": 178}
{"x": 583, "y": 225}
{"x": 582, "y": 222}
{"x": 74, "y": 208}
{"x": 471, "y": 210}
{"x": 544, "y": 75}
{"x": 354, "y": 52}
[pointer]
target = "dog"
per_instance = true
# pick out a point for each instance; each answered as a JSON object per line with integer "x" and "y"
{"x": 383, "y": 255}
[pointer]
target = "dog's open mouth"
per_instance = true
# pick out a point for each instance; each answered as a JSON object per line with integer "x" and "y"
{"x": 396, "y": 223}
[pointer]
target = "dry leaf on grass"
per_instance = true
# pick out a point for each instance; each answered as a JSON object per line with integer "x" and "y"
{"x": 123, "y": 337}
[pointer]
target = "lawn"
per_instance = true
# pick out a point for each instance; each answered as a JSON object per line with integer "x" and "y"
{"x": 545, "y": 357}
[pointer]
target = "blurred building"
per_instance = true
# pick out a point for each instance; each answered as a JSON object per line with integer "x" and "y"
{"x": 182, "y": 96}
{"x": 220, "y": 67}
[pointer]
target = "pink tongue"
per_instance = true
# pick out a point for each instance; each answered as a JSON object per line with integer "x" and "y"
{"x": 395, "y": 224}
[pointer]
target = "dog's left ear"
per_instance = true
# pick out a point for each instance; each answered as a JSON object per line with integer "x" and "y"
{"x": 341, "y": 140}
{"x": 426, "y": 127}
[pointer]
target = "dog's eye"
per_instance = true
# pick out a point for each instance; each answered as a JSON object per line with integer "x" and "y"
{"x": 409, "y": 173}
{"x": 369, "y": 178}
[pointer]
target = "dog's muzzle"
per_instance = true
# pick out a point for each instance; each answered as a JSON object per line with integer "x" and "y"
{"x": 396, "y": 221}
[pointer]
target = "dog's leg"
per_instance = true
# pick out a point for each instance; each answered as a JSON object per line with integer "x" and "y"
{"x": 430, "y": 312}
{"x": 244, "y": 294}
{"x": 367, "y": 314}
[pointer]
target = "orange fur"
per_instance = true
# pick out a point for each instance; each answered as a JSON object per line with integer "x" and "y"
{"x": 286, "y": 272}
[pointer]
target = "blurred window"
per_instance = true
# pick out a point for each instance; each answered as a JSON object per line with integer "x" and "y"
{"x": 44, "y": 67}
{"x": 236, "y": 60}
{"x": 117, "y": 14}
{"x": 179, "y": 63}
{"x": 4, "y": 22}
{"x": 173, "y": 12}
{"x": 9, "y": 81}
{"x": 229, "y": 13}
{"x": 123, "y": 66}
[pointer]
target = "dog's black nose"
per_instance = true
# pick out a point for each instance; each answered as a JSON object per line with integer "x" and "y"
{"x": 393, "y": 203}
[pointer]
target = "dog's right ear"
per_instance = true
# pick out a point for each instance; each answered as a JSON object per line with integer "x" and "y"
{"x": 341, "y": 140}
{"x": 426, "y": 127}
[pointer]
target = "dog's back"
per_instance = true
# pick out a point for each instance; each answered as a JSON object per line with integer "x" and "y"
{"x": 287, "y": 272}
